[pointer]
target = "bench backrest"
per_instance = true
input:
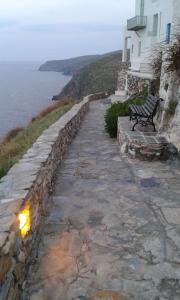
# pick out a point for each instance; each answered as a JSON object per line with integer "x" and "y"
{"x": 151, "y": 105}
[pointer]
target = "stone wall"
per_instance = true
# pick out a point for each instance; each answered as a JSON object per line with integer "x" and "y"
{"x": 143, "y": 145}
{"x": 121, "y": 83}
{"x": 132, "y": 83}
{"x": 170, "y": 92}
{"x": 136, "y": 84}
{"x": 97, "y": 96}
{"x": 29, "y": 183}
{"x": 173, "y": 132}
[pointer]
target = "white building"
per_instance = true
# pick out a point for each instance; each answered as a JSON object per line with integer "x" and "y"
{"x": 154, "y": 22}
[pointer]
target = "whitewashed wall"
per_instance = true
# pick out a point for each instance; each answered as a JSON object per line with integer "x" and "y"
{"x": 164, "y": 9}
{"x": 170, "y": 91}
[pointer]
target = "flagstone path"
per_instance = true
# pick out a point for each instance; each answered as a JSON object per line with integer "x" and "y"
{"x": 113, "y": 231}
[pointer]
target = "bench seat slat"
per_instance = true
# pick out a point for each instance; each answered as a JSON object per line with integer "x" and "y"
{"x": 149, "y": 109}
{"x": 138, "y": 110}
{"x": 150, "y": 105}
{"x": 146, "y": 112}
{"x": 151, "y": 102}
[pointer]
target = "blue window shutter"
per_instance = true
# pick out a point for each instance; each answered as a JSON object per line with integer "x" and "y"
{"x": 168, "y": 33}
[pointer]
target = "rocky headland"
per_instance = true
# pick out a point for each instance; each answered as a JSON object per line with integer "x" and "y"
{"x": 90, "y": 74}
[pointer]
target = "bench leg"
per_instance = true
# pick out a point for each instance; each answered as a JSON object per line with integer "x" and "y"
{"x": 130, "y": 115}
{"x": 152, "y": 123}
{"x": 133, "y": 128}
{"x": 154, "y": 126}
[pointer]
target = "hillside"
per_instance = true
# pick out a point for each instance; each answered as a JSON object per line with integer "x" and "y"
{"x": 98, "y": 76}
{"x": 19, "y": 140}
{"x": 69, "y": 66}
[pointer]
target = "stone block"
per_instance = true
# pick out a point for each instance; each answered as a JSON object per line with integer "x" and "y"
{"x": 108, "y": 295}
{"x": 5, "y": 265}
{"x": 172, "y": 215}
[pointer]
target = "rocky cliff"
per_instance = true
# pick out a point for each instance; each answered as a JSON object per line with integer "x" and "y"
{"x": 99, "y": 76}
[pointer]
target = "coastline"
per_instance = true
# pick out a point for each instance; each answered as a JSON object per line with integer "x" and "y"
{"x": 24, "y": 92}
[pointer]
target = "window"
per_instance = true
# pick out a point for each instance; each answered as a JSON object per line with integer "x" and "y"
{"x": 155, "y": 24}
{"x": 139, "y": 49}
{"x": 168, "y": 33}
{"x": 132, "y": 48}
{"x": 142, "y": 8}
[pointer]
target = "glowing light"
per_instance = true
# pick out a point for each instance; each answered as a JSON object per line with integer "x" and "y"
{"x": 24, "y": 221}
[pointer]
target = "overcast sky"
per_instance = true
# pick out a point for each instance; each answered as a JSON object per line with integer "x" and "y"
{"x": 57, "y": 29}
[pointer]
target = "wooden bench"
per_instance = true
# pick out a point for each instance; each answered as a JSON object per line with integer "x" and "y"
{"x": 144, "y": 114}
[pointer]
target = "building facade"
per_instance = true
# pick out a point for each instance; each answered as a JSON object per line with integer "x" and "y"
{"x": 154, "y": 23}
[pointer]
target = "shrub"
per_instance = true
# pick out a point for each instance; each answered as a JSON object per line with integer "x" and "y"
{"x": 116, "y": 110}
{"x": 2, "y": 172}
{"x": 171, "y": 108}
{"x": 156, "y": 62}
{"x": 173, "y": 57}
{"x": 120, "y": 110}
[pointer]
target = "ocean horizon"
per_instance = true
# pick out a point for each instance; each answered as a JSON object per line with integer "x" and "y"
{"x": 24, "y": 91}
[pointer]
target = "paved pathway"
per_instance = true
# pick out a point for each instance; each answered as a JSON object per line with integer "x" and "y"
{"x": 114, "y": 225}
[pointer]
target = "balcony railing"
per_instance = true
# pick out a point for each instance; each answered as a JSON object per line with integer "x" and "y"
{"x": 137, "y": 23}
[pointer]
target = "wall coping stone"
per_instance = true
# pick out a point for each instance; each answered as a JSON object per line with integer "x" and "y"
{"x": 141, "y": 75}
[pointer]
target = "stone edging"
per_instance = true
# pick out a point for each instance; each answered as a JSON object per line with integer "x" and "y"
{"x": 29, "y": 182}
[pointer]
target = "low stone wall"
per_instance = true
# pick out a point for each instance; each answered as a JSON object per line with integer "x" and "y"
{"x": 28, "y": 184}
{"x": 143, "y": 145}
{"x": 132, "y": 83}
{"x": 137, "y": 84}
{"x": 97, "y": 96}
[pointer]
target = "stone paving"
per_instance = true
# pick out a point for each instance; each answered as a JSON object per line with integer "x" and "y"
{"x": 113, "y": 230}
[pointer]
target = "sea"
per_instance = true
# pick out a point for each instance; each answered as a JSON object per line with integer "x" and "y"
{"x": 24, "y": 91}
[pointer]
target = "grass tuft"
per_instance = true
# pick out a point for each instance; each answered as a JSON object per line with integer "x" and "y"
{"x": 13, "y": 149}
{"x": 44, "y": 112}
{"x": 12, "y": 133}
